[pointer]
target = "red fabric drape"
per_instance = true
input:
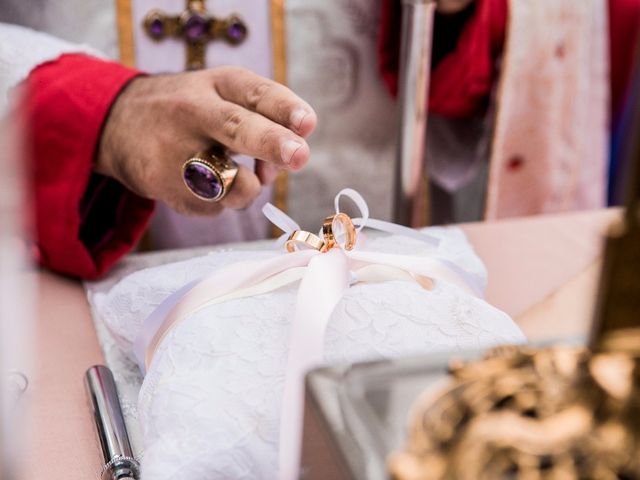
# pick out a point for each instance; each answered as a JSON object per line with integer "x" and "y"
{"x": 624, "y": 25}
{"x": 461, "y": 83}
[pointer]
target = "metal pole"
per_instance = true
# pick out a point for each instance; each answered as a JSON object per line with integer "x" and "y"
{"x": 410, "y": 186}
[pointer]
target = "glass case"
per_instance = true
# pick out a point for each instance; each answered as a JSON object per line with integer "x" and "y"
{"x": 356, "y": 415}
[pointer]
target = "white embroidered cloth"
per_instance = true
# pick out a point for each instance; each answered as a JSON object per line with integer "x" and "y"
{"x": 210, "y": 403}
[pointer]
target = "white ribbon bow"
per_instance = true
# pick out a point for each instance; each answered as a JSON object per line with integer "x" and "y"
{"x": 324, "y": 278}
{"x": 288, "y": 225}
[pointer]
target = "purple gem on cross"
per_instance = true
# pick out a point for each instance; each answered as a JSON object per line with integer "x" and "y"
{"x": 202, "y": 181}
{"x": 156, "y": 28}
{"x": 196, "y": 28}
{"x": 236, "y": 31}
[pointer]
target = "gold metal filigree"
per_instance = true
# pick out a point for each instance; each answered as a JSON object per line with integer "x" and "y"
{"x": 521, "y": 413}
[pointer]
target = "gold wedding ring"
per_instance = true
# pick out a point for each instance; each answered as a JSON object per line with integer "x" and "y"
{"x": 209, "y": 175}
{"x": 349, "y": 229}
{"x": 301, "y": 238}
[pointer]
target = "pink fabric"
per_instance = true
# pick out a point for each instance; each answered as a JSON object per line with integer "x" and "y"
{"x": 551, "y": 135}
{"x": 66, "y": 346}
{"x": 306, "y": 348}
{"x": 235, "y": 277}
{"x": 544, "y": 252}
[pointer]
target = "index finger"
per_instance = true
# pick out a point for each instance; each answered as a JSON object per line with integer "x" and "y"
{"x": 266, "y": 97}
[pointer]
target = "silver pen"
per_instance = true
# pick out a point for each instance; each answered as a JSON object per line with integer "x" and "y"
{"x": 120, "y": 463}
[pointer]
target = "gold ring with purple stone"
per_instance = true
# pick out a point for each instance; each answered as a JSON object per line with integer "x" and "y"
{"x": 209, "y": 175}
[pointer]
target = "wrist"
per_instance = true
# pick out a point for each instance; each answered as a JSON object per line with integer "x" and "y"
{"x": 111, "y": 144}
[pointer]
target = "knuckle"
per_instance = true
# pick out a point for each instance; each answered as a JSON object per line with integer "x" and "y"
{"x": 256, "y": 94}
{"x": 227, "y": 74}
{"x": 221, "y": 72}
{"x": 232, "y": 70}
{"x": 231, "y": 125}
{"x": 284, "y": 111}
{"x": 269, "y": 140}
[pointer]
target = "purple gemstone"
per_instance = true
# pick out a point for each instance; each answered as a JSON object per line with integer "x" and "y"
{"x": 202, "y": 181}
{"x": 156, "y": 28}
{"x": 236, "y": 31}
{"x": 196, "y": 28}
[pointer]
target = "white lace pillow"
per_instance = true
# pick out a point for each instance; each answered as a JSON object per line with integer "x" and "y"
{"x": 210, "y": 402}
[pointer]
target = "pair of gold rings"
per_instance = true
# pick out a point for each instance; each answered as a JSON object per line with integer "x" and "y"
{"x": 301, "y": 239}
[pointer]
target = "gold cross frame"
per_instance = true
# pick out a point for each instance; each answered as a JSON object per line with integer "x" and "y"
{"x": 197, "y": 27}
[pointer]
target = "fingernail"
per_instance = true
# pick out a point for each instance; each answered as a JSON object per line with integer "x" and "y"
{"x": 297, "y": 117}
{"x": 288, "y": 150}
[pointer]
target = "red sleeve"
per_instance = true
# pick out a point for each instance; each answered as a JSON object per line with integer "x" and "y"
{"x": 462, "y": 80}
{"x": 84, "y": 222}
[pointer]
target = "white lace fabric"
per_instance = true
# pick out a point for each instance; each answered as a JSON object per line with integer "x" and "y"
{"x": 209, "y": 406}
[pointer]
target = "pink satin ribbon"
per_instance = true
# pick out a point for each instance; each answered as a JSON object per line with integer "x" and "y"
{"x": 199, "y": 294}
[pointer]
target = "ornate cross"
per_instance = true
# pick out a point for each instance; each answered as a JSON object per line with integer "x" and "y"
{"x": 197, "y": 27}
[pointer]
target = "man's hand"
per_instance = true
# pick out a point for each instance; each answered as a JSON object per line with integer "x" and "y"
{"x": 159, "y": 122}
